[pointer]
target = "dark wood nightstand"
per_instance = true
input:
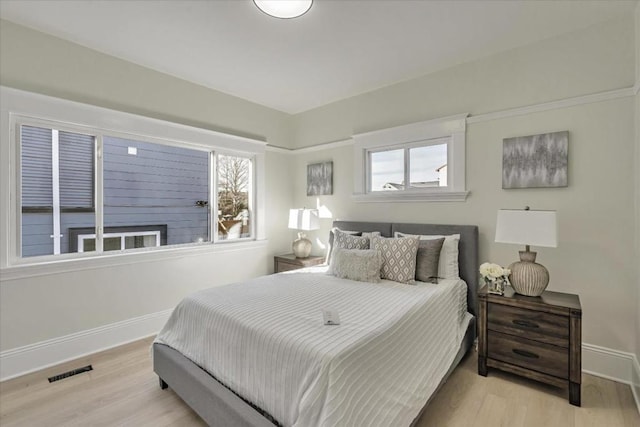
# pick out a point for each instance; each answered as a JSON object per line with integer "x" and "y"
{"x": 290, "y": 262}
{"x": 536, "y": 337}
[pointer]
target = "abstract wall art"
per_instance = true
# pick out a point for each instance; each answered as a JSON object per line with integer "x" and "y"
{"x": 535, "y": 161}
{"x": 320, "y": 179}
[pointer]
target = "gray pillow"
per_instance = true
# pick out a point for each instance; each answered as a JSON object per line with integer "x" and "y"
{"x": 332, "y": 237}
{"x": 357, "y": 264}
{"x": 427, "y": 260}
{"x": 343, "y": 240}
{"x": 398, "y": 257}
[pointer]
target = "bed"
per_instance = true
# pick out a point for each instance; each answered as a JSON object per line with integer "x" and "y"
{"x": 333, "y": 377}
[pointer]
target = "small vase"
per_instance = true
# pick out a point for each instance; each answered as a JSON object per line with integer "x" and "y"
{"x": 495, "y": 286}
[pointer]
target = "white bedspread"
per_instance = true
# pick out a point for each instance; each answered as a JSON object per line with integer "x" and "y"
{"x": 265, "y": 339}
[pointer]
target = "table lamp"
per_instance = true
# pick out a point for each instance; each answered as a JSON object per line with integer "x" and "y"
{"x": 302, "y": 219}
{"x": 529, "y": 228}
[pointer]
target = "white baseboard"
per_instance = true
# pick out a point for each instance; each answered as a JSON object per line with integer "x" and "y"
{"x": 607, "y": 363}
{"x": 614, "y": 365}
{"x": 30, "y": 358}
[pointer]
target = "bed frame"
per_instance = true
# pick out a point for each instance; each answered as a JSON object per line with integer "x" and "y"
{"x": 219, "y": 406}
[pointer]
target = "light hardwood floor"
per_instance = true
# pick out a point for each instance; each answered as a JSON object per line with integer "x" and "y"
{"x": 122, "y": 390}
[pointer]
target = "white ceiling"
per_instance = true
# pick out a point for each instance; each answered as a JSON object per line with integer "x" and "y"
{"x": 337, "y": 50}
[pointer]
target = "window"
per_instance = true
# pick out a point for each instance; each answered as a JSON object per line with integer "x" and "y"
{"x": 143, "y": 183}
{"x": 417, "y": 162}
{"x": 422, "y": 166}
{"x": 118, "y": 238}
{"x": 81, "y": 190}
{"x": 57, "y": 176}
{"x": 234, "y": 200}
{"x": 149, "y": 183}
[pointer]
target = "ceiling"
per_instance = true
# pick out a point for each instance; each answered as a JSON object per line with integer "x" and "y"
{"x": 336, "y": 50}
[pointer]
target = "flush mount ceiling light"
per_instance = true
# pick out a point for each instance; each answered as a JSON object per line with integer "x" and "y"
{"x": 284, "y": 9}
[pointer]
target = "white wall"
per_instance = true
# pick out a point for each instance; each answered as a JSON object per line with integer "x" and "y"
{"x": 38, "y": 308}
{"x": 596, "y": 254}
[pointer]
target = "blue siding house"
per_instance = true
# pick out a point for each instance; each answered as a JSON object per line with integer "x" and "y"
{"x": 153, "y": 194}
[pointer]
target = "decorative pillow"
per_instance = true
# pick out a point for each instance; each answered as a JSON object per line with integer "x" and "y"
{"x": 371, "y": 234}
{"x": 427, "y": 260}
{"x": 353, "y": 233}
{"x": 398, "y": 257}
{"x": 342, "y": 240}
{"x": 448, "y": 265}
{"x": 357, "y": 264}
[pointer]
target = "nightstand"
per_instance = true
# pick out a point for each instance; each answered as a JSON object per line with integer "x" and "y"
{"x": 290, "y": 262}
{"x": 536, "y": 337}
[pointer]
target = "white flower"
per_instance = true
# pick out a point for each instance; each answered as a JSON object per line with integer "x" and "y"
{"x": 484, "y": 269}
{"x": 493, "y": 270}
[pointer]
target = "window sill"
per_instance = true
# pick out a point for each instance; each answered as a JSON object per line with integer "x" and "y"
{"x": 26, "y": 270}
{"x": 406, "y": 196}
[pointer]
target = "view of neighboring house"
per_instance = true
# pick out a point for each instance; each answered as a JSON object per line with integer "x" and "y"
{"x": 153, "y": 194}
{"x": 440, "y": 182}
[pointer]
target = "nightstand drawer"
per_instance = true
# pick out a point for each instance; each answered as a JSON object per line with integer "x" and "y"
{"x": 540, "y": 357}
{"x": 536, "y": 325}
{"x": 285, "y": 266}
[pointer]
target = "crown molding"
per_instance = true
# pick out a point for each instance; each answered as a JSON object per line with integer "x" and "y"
{"x": 554, "y": 105}
{"x": 496, "y": 115}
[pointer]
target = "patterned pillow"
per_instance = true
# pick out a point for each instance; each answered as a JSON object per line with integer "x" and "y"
{"x": 342, "y": 240}
{"x": 428, "y": 259}
{"x": 357, "y": 264}
{"x": 398, "y": 257}
{"x": 332, "y": 237}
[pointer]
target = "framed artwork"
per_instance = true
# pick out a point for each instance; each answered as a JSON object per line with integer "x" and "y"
{"x": 535, "y": 161}
{"x": 320, "y": 179}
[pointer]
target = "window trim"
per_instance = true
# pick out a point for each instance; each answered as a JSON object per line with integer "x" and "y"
{"x": 83, "y": 118}
{"x": 452, "y": 128}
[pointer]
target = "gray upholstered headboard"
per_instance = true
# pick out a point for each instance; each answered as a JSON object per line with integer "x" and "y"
{"x": 467, "y": 248}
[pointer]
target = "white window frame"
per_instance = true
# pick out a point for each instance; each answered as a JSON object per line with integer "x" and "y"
{"x": 451, "y": 129}
{"x": 83, "y": 237}
{"x": 20, "y": 107}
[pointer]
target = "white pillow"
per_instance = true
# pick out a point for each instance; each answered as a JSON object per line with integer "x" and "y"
{"x": 357, "y": 264}
{"x": 343, "y": 240}
{"x": 448, "y": 267}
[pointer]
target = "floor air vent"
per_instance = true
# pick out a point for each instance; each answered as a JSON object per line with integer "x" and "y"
{"x": 70, "y": 373}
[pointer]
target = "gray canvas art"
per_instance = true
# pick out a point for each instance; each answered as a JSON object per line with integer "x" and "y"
{"x": 320, "y": 179}
{"x": 535, "y": 161}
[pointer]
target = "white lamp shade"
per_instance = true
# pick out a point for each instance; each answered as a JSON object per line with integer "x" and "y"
{"x": 523, "y": 227}
{"x": 284, "y": 8}
{"x": 303, "y": 219}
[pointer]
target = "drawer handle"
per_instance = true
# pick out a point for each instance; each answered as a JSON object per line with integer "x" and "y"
{"x": 525, "y": 324}
{"x": 525, "y": 353}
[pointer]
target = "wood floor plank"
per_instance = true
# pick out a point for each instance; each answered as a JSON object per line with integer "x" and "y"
{"x": 122, "y": 390}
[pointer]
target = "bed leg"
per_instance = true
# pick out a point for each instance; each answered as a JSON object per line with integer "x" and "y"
{"x": 163, "y": 385}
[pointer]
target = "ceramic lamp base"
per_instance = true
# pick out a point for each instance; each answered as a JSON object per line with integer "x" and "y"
{"x": 528, "y": 277}
{"x": 301, "y": 246}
